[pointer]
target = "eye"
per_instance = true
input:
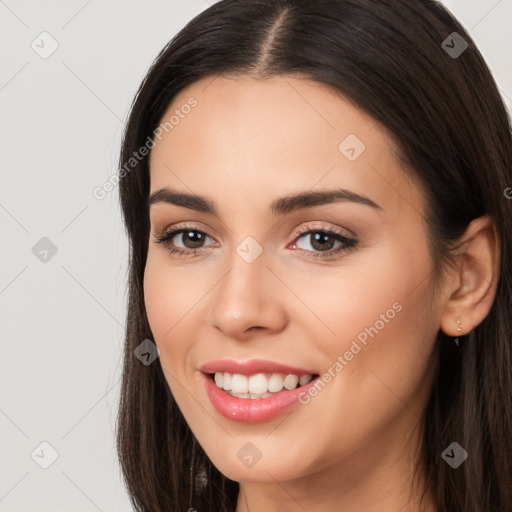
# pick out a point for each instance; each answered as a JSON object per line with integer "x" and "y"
{"x": 184, "y": 240}
{"x": 322, "y": 242}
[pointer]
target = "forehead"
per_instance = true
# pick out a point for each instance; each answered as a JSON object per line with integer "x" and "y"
{"x": 283, "y": 133}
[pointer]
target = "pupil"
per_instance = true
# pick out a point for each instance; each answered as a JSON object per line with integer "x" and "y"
{"x": 195, "y": 239}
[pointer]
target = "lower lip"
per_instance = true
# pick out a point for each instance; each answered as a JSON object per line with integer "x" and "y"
{"x": 248, "y": 410}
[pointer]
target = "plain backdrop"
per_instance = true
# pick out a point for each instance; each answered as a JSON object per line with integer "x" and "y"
{"x": 63, "y": 253}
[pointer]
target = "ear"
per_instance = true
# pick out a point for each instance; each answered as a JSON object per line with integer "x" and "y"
{"x": 472, "y": 288}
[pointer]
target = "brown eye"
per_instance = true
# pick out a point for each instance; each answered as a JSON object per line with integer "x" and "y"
{"x": 184, "y": 240}
{"x": 191, "y": 239}
{"x": 321, "y": 241}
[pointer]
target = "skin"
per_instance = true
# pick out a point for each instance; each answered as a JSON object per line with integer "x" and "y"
{"x": 247, "y": 142}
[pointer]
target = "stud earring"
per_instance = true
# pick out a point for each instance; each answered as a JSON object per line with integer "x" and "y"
{"x": 459, "y": 325}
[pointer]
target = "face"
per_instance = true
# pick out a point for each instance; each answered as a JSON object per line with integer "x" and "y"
{"x": 246, "y": 283}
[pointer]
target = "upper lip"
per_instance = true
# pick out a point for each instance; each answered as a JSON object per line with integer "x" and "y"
{"x": 252, "y": 366}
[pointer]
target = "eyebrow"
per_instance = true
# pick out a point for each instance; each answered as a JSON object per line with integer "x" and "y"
{"x": 279, "y": 206}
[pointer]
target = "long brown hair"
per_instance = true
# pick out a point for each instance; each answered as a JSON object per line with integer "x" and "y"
{"x": 445, "y": 112}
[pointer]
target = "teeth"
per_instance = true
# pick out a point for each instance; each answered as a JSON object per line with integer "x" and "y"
{"x": 252, "y": 396}
{"x": 259, "y": 385}
{"x": 263, "y": 395}
{"x": 226, "y": 381}
{"x": 241, "y": 395}
{"x": 239, "y": 383}
{"x": 291, "y": 381}
{"x": 275, "y": 383}
{"x": 304, "y": 379}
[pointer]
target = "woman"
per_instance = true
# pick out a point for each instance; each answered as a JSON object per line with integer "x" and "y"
{"x": 320, "y": 249}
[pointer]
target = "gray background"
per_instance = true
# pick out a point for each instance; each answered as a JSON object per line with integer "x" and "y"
{"x": 62, "y": 314}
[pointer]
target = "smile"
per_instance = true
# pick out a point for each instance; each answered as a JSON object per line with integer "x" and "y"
{"x": 261, "y": 385}
{"x": 256, "y": 407}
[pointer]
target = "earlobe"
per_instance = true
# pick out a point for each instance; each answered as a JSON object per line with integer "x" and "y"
{"x": 475, "y": 283}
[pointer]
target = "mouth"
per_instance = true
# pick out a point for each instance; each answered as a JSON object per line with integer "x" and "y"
{"x": 258, "y": 397}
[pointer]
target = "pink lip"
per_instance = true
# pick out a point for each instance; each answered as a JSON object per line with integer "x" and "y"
{"x": 252, "y": 367}
{"x": 248, "y": 410}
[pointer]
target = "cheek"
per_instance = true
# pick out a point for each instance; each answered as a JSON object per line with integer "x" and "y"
{"x": 157, "y": 299}
{"x": 347, "y": 300}
{"x": 168, "y": 298}
{"x": 169, "y": 293}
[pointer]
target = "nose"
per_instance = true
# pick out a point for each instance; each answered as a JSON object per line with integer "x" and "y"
{"x": 248, "y": 301}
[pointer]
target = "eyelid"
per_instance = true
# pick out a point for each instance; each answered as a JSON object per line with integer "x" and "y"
{"x": 193, "y": 225}
{"x": 322, "y": 227}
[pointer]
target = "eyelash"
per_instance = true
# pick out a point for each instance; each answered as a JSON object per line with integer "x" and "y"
{"x": 348, "y": 244}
